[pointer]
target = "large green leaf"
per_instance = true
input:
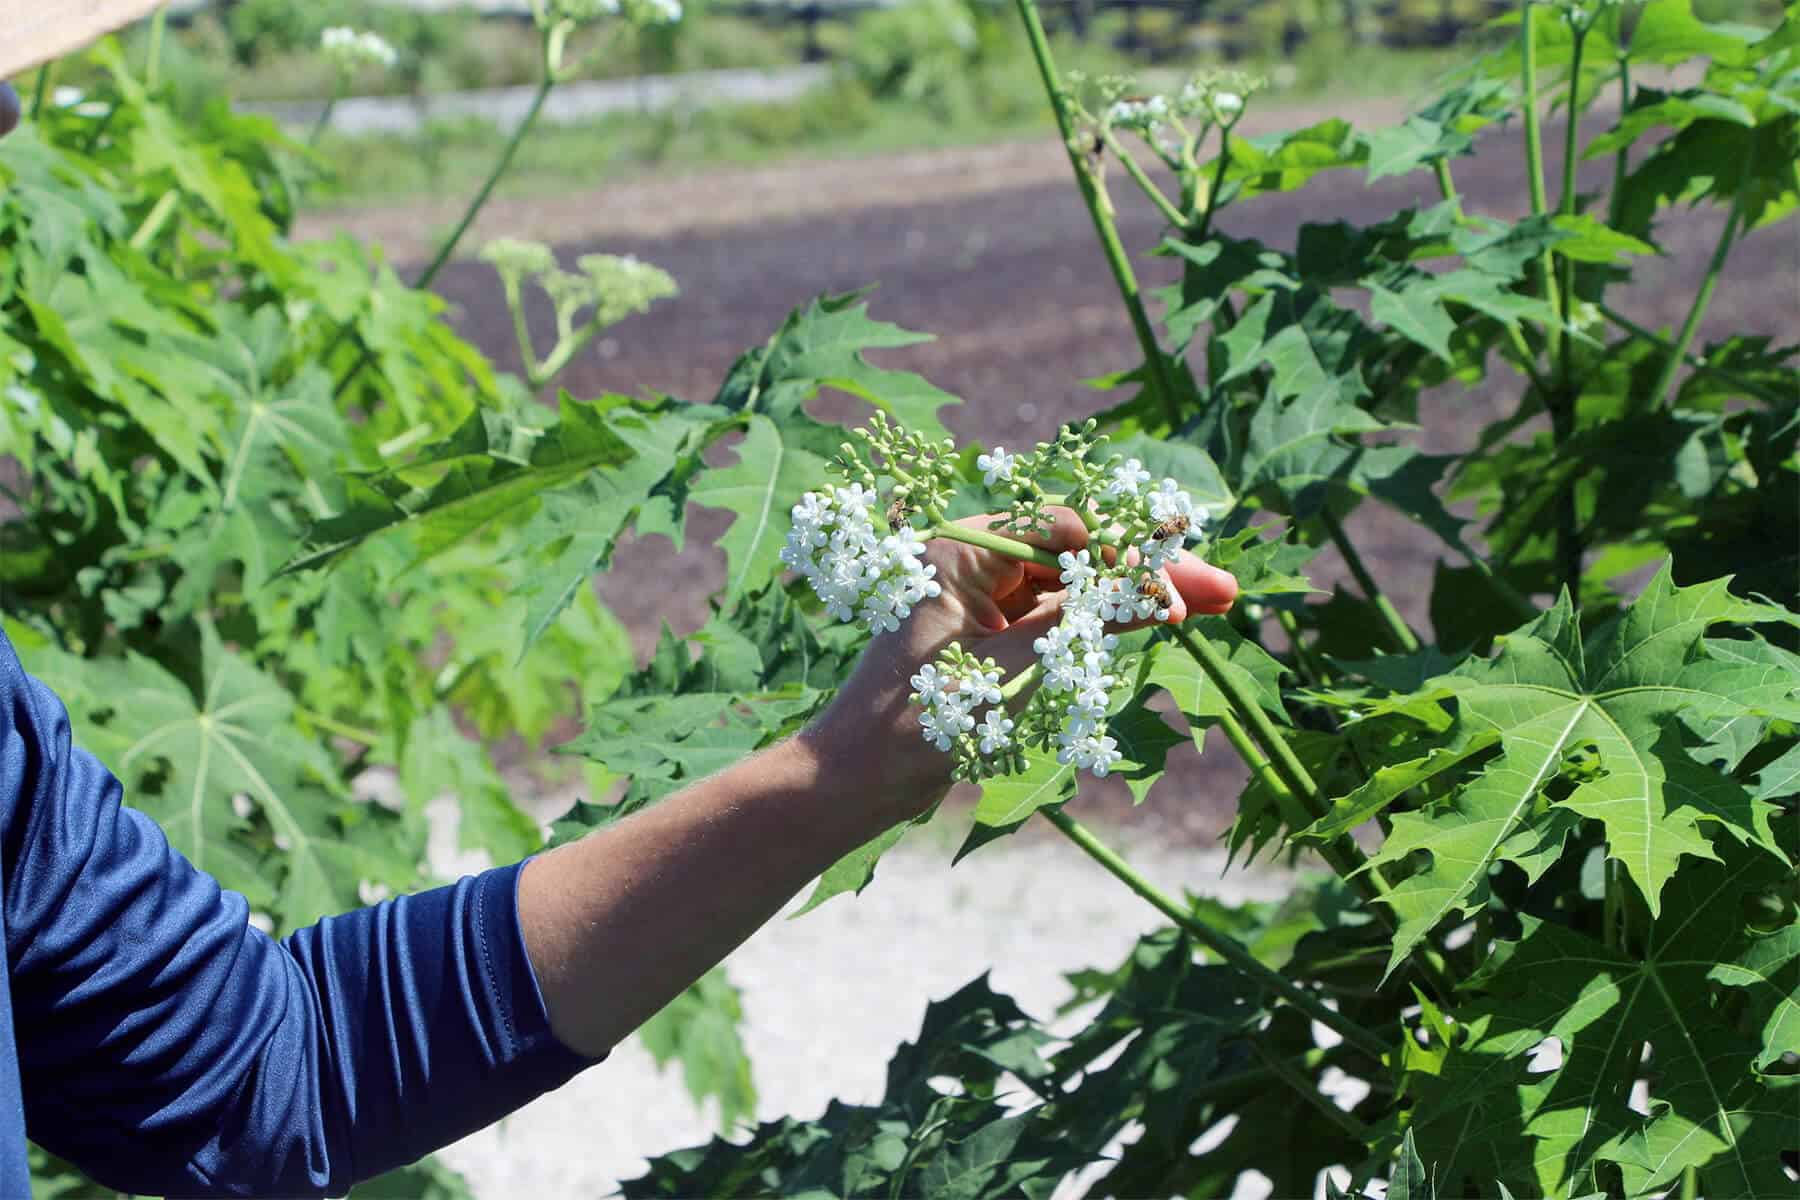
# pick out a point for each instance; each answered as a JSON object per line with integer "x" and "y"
{"x": 491, "y": 466}
{"x": 701, "y": 1029}
{"x": 1493, "y": 1111}
{"x": 822, "y": 345}
{"x": 194, "y": 759}
{"x": 1611, "y": 700}
{"x": 776, "y": 465}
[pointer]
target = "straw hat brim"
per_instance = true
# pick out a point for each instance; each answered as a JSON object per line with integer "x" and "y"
{"x": 33, "y": 32}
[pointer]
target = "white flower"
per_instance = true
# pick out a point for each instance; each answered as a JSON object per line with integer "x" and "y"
{"x": 1090, "y": 751}
{"x": 1126, "y": 479}
{"x": 1144, "y": 113}
{"x": 242, "y": 805}
{"x": 371, "y": 893}
{"x": 942, "y": 727}
{"x": 1077, "y": 570}
{"x": 995, "y": 732}
{"x": 1168, "y": 502}
{"x": 262, "y": 921}
{"x": 997, "y": 466}
{"x": 929, "y": 685}
{"x": 1228, "y": 104}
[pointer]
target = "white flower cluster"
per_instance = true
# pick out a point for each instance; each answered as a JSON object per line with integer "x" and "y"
{"x": 1077, "y": 662}
{"x": 950, "y": 696}
{"x": 347, "y": 49}
{"x": 1144, "y": 113}
{"x": 859, "y": 574}
{"x": 658, "y": 12}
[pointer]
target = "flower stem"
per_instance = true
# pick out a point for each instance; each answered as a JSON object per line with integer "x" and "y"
{"x": 1100, "y": 209}
{"x": 448, "y": 247}
{"x": 1011, "y": 547}
{"x": 1148, "y": 186}
{"x": 1397, "y": 627}
{"x": 1225, "y": 947}
{"x": 1441, "y": 168}
{"x": 324, "y": 118}
{"x": 1665, "y": 378}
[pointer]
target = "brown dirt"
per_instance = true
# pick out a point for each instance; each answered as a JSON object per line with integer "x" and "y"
{"x": 991, "y": 249}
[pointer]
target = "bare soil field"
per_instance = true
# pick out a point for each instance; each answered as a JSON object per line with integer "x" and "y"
{"x": 991, "y": 250}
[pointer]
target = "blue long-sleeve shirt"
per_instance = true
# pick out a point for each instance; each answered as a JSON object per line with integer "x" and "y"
{"x": 154, "y": 1038}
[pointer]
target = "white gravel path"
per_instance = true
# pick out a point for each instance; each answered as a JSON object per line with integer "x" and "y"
{"x": 828, "y": 997}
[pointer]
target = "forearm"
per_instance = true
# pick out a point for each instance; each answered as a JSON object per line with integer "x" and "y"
{"x": 617, "y": 924}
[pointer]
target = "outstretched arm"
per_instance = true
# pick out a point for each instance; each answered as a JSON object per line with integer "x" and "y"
{"x": 620, "y": 922}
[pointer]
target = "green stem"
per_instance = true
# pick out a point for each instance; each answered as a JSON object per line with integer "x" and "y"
{"x": 1534, "y": 157}
{"x": 1302, "y": 1086}
{"x": 1100, "y": 209}
{"x": 338, "y": 727}
{"x": 487, "y": 188}
{"x": 1567, "y": 207}
{"x": 1264, "y": 770}
{"x": 1225, "y": 947}
{"x": 1527, "y": 360}
{"x": 1311, "y": 670}
{"x": 1011, "y": 547}
{"x": 324, "y": 118}
{"x": 1217, "y": 185}
{"x": 153, "y": 58}
{"x": 474, "y": 208}
{"x": 156, "y": 218}
{"x": 1145, "y": 183}
{"x": 1397, "y": 627}
{"x": 1621, "y": 160}
{"x": 1665, "y": 379}
{"x": 1446, "y": 185}
{"x": 1748, "y": 386}
{"x": 41, "y": 92}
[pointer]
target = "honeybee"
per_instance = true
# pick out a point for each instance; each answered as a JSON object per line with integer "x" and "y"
{"x": 1156, "y": 590}
{"x": 1175, "y": 526}
{"x": 898, "y": 512}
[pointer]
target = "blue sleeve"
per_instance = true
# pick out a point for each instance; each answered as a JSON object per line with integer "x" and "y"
{"x": 166, "y": 1046}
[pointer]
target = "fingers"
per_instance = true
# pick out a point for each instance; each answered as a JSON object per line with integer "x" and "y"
{"x": 1205, "y": 589}
{"x": 1066, "y": 532}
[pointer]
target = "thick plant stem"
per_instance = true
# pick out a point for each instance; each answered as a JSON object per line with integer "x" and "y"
{"x": 1447, "y": 186}
{"x": 1100, "y": 209}
{"x": 1011, "y": 547}
{"x": 1621, "y": 160}
{"x": 324, "y": 119}
{"x": 1397, "y": 627}
{"x": 1278, "y": 757}
{"x": 1534, "y": 157}
{"x": 1262, "y": 769}
{"x": 1566, "y": 206}
{"x": 1665, "y": 378}
{"x": 448, "y": 248}
{"x": 1225, "y": 947}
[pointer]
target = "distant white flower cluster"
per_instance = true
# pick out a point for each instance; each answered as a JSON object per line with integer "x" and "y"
{"x": 1144, "y": 112}
{"x": 859, "y": 574}
{"x": 659, "y": 12}
{"x": 639, "y": 12}
{"x": 348, "y": 49}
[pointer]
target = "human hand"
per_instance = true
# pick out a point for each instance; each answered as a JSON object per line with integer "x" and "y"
{"x": 996, "y": 606}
